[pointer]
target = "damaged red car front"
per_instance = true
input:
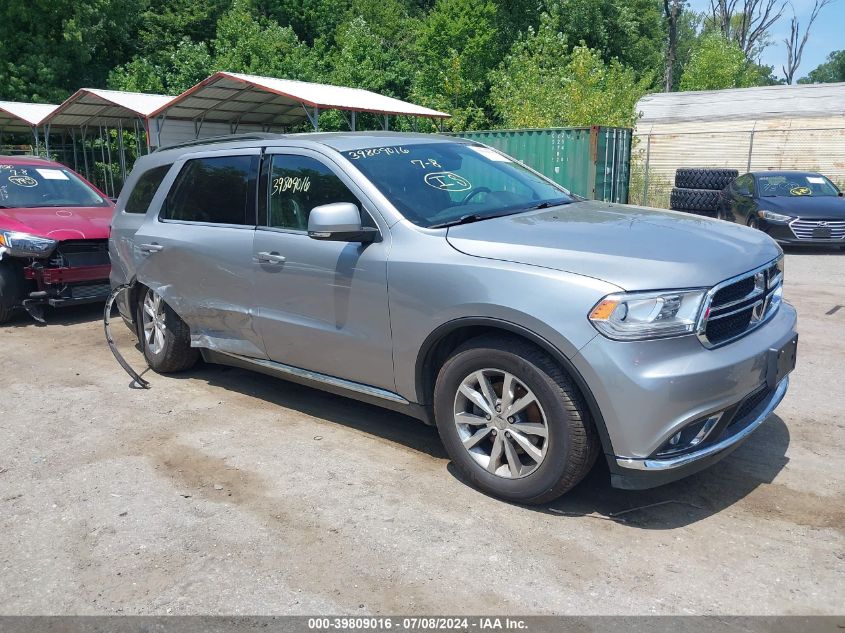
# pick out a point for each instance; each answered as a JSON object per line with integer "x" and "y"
{"x": 54, "y": 229}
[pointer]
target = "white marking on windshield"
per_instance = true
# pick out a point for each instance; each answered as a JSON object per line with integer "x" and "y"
{"x": 447, "y": 181}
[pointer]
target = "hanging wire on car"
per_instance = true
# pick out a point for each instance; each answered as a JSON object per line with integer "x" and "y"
{"x": 110, "y": 340}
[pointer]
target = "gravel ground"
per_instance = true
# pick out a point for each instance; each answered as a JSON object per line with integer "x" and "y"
{"x": 220, "y": 491}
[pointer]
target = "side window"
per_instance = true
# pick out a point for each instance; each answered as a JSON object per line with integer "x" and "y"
{"x": 218, "y": 190}
{"x": 145, "y": 189}
{"x": 296, "y": 185}
{"x": 745, "y": 185}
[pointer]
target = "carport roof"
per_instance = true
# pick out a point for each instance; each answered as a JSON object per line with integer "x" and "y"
{"x": 18, "y": 117}
{"x": 89, "y": 105}
{"x": 801, "y": 100}
{"x": 248, "y": 99}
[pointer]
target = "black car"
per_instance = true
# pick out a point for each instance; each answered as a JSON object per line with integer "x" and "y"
{"x": 793, "y": 207}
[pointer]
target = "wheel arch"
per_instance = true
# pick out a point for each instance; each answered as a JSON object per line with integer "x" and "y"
{"x": 439, "y": 344}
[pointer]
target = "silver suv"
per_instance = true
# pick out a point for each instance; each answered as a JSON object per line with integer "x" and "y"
{"x": 443, "y": 279}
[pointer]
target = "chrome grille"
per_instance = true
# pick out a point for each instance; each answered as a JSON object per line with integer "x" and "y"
{"x": 803, "y": 229}
{"x": 739, "y": 305}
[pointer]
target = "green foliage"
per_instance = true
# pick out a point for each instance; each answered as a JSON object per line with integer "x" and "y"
{"x": 50, "y": 48}
{"x": 716, "y": 64}
{"x": 488, "y": 63}
{"x": 252, "y": 44}
{"x": 456, "y": 46}
{"x": 631, "y": 31}
{"x": 543, "y": 84}
{"x": 831, "y": 71}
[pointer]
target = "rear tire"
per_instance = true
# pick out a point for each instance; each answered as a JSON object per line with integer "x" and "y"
{"x": 165, "y": 338}
{"x": 545, "y": 447}
{"x": 11, "y": 290}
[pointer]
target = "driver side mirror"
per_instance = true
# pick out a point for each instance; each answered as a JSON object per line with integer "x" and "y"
{"x": 339, "y": 222}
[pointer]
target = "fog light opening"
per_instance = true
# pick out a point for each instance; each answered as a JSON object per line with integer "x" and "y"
{"x": 691, "y": 435}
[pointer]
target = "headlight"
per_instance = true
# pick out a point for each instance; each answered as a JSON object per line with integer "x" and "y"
{"x": 25, "y": 245}
{"x": 773, "y": 217}
{"x": 634, "y": 316}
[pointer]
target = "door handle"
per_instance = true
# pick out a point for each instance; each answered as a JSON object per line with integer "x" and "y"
{"x": 270, "y": 258}
{"x": 151, "y": 248}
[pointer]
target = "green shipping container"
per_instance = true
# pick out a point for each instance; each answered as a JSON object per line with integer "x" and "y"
{"x": 592, "y": 162}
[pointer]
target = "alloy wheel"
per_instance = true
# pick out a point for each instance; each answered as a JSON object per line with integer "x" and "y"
{"x": 501, "y": 423}
{"x": 154, "y": 323}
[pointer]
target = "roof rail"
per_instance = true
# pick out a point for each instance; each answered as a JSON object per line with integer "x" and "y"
{"x": 228, "y": 138}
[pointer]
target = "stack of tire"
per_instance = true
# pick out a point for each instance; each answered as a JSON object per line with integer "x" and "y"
{"x": 699, "y": 191}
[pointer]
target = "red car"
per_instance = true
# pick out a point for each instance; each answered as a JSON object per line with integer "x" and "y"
{"x": 54, "y": 230}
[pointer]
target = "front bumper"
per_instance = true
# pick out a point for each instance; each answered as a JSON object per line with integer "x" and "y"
{"x": 649, "y": 391}
{"x": 63, "y": 286}
{"x": 636, "y": 474}
{"x": 783, "y": 234}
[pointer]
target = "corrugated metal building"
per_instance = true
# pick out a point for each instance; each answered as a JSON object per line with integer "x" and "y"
{"x": 770, "y": 127}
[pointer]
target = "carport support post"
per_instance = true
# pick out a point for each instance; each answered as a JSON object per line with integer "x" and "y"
{"x": 85, "y": 154}
{"x": 122, "y": 150}
{"x": 751, "y": 146}
{"x": 353, "y": 120}
{"x": 386, "y": 122}
{"x": 73, "y": 142}
{"x": 47, "y": 139}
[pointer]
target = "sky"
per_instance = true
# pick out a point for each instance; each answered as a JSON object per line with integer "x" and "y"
{"x": 827, "y": 34}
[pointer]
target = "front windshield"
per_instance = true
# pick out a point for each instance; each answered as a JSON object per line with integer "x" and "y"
{"x": 29, "y": 186}
{"x": 435, "y": 184}
{"x": 796, "y": 185}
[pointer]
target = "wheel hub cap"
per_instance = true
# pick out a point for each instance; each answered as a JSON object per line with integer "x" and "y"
{"x": 501, "y": 423}
{"x": 154, "y": 323}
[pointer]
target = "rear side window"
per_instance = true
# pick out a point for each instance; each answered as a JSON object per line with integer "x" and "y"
{"x": 219, "y": 190}
{"x": 145, "y": 189}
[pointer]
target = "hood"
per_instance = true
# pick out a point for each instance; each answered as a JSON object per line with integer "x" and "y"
{"x": 635, "y": 248}
{"x": 807, "y": 207}
{"x": 59, "y": 223}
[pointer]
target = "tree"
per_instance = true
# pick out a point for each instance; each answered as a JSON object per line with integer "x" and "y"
{"x": 457, "y": 45}
{"x": 831, "y": 71}
{"x": 50, "y": 48}
{"x": 253, "y": 44}
{"x": 717, "y": 63}
{"x": 541, "y": 83}
{"x": 245, "y": 42}
{"x": 672, "y": 12}
{"x": 631, "y": 31}
{"x": 796, "y": 41}
{"x": 746, "y": 22}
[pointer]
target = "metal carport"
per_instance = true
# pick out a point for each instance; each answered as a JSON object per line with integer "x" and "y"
{"x": 102, "y": 110}
{"x": 226, "y": 103}
{"x": 16, "y": 118}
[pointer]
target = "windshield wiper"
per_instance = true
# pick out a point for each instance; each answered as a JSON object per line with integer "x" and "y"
{"x": 549, "y": 203}
{"x": 465, "y": 219}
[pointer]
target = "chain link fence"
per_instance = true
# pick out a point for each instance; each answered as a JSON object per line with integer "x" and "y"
{"x": 657, "y": 154}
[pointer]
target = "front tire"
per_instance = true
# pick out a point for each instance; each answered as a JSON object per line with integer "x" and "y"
{"x": 11, "y": 290}
{"x": 165, "y": 338}
{"x": 512, "y": 421}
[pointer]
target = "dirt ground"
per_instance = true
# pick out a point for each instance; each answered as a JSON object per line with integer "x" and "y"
{"x": 220, "y": 491}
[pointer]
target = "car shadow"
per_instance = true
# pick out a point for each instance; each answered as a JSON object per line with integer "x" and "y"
{"x": 674, "y": 505}
{"x": 70, "y": 315}
{"x": 366, "y": 418}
